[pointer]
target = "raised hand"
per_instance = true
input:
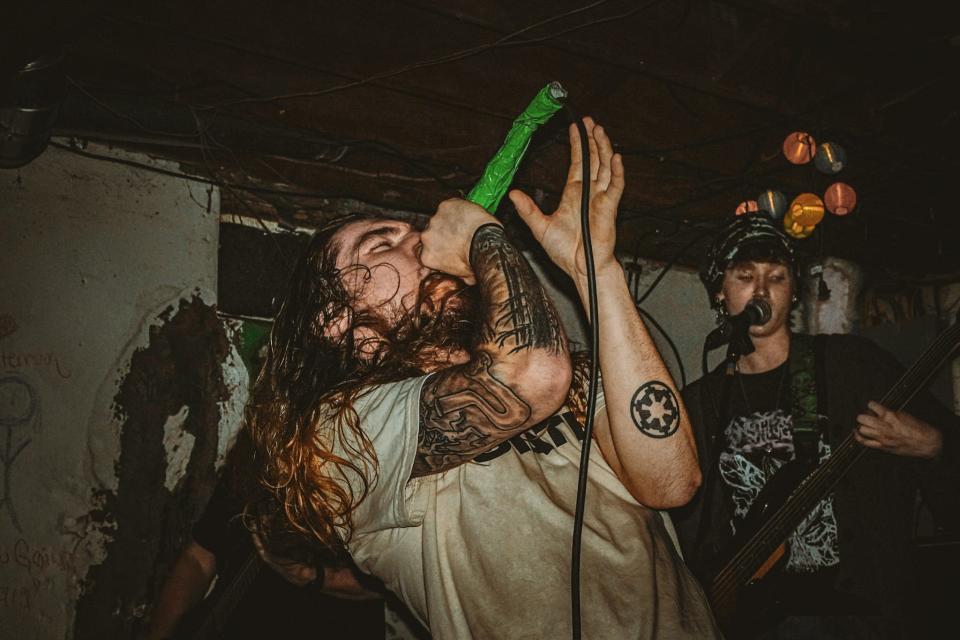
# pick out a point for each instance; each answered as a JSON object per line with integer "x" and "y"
{"x": 559, "y": 233}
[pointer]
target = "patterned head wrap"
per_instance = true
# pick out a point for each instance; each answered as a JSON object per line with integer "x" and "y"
{"x": 754, "y": 236}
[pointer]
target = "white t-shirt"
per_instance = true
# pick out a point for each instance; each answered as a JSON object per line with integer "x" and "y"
{"x": 483, "y": 550}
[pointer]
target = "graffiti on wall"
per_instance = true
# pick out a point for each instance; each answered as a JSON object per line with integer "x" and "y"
{"x": 19, "y": 360}
{"x": 8, "y": 326}
{"x": 19, "y": 418}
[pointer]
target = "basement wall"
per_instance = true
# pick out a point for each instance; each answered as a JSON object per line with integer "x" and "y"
{"x": 119, "y": 389}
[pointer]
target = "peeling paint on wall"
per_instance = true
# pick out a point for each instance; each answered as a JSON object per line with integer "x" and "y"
{"x": 95, "y": 252}
{"x": 182, "y": 367}
{"x": 178, "y": 445}
{"x": 236, "y": 378}
{"x": 838, "y": 313}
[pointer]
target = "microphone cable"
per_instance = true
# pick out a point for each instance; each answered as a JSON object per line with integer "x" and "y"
{"x": 594, "y": 370}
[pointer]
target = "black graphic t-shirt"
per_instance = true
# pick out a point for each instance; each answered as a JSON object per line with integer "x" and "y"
{"x": 873, "y": 504}
{"x": 757, "y": 442}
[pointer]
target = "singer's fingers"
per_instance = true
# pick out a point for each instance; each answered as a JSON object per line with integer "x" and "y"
{"x": 605, "y": 151}
{"x": 617, "y": 178}
{"x": 530, "y": 213}
{"x": 594, "y": 151}
{"x": 576, "y": 162}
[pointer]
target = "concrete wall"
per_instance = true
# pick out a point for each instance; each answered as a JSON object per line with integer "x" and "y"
{"x": 112, "y": 386}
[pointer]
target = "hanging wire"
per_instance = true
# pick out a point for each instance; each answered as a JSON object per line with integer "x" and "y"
{"x": 673, "y": 347}
{"x": 673, "y": 261}
{"x": 451, "y": 57}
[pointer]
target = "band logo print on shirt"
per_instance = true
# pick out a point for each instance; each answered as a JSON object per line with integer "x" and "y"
{"x": 534, "y": 440}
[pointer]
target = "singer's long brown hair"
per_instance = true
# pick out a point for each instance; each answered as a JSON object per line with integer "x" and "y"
{"x": 301, "y": 409}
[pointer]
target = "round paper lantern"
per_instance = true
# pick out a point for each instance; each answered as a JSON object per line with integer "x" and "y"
{"x": 747, "y": 206}
{"x": 799, "y": 147}
{"x": 840, "y": 198}
{"x": 807, "y": 209}
{"x": 796, "y": 229}
{"x": 830, "y": 158}
{"x": 800, "y": 236}
{"x": 773, "y": 202}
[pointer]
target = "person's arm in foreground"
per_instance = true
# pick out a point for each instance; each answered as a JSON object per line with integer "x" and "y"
{"x": 644, "y": 434}
{"x": 192, "y": 573}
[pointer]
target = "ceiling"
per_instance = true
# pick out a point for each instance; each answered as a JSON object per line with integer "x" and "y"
{"x": 302, "y": 108}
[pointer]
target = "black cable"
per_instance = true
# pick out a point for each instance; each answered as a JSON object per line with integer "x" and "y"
{"x": 443, "y": 59}
{"x": 594, "y": 369}
{"x": 298, "y": 135}
{"x": 673, "y": 347}
{"x": 633, "y": 282}
{"x": 187, "y": 176}
{"x": 673, "y": 261}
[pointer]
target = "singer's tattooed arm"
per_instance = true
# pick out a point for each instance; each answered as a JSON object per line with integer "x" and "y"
{"x": 642, "y": 431}
{"x": 519, "y": 373}
{"x": 519, "y": 315}
{"x": 655, "y": 410}
{"x": 464, "y": 411}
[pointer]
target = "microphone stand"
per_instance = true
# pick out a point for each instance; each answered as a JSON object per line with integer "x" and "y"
{"x": 739, "y": 344}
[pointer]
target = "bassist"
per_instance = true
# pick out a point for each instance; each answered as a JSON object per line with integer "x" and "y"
{"x": 847, "y": 571}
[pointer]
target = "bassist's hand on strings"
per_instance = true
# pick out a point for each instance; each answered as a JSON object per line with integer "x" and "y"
{"x": 897, "y": 432}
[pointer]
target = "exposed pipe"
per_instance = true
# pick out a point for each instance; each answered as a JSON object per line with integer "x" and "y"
{"x": 29, "y": 104}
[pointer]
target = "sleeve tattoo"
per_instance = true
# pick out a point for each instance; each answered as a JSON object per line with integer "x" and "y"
{"x": 465, "y": 410}
{"x": 519, "y": 314}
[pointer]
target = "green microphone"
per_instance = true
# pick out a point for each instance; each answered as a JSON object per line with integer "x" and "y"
{"x": 498, "y": 175}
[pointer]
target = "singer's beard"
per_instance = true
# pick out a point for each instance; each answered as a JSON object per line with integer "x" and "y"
{"x": 443, "y": 326}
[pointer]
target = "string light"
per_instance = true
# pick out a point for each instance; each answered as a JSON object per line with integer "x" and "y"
{"x": 830, "y": 158}
{"x": 799, "y": 147}
{"x": 840, "y": 198}
{"x": 806, "y": 211}
{"x": 773, "y": 202}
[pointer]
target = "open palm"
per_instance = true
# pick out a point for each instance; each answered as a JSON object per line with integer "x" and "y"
{"x": 560, "y": 233}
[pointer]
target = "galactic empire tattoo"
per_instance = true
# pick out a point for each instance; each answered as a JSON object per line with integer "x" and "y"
{"x": 655, "y": 410}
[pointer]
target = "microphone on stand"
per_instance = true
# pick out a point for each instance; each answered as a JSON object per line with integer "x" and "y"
{"x": 735, "y": 329}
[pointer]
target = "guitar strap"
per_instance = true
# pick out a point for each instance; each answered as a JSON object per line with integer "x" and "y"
{"x": 807, "y": 395}
{"x": 809, "y": 401}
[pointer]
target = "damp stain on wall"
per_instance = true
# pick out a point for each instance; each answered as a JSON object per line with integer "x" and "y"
{"x": 178, "y": 374}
